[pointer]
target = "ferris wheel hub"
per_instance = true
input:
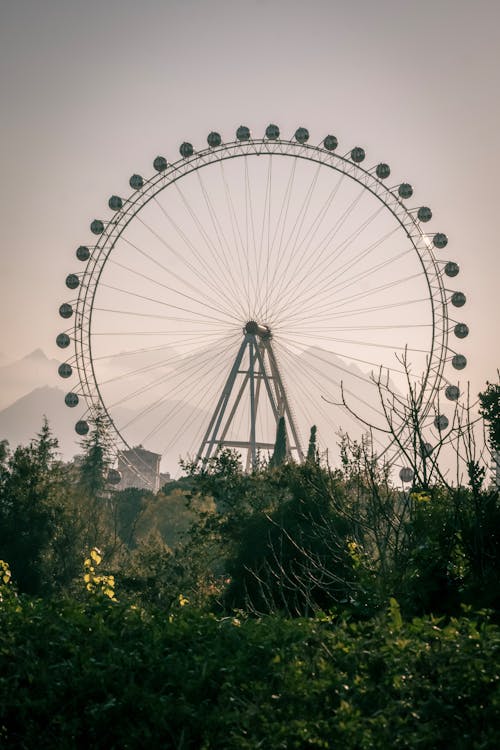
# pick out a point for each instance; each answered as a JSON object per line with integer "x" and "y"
{"x": 257, "y": 329}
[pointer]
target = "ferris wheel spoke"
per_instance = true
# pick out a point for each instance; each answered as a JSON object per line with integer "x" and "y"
{"x": 268, "y": 239}
{"x": 282, "y": 222}
{"x": 313, "y": 230}
{"x": 374, "y": 291}
{"x": 265, "y": 240}
{"x": 331, "y": 306}
{"x": 364, "y": 378}
{"x": 136, "y": 314}
{"x": 340, "y": 285}
{"x": 334, "y": 282}
{"x": 317, "y": 378}
{"x": 311, "y": 259}
{"x": 187, "y": 423}
{"x": 201, "y": 302}
{"x": 343, "y": 246}
{"x": 293, "y": 235}
{"x": 334, "y": 305}
{"x": 321, "y": 380}
{"x": 335, "y": 329}
{"x": 250, "y": 234}
{"x": 347, "y": 313}
{"x": 220, "y": 234}
{"x": 354, "y": 342}
{"x": 183, "y": 389}
{"x": 164, "y": 268}
{"x": 220, "y": 275}
{"x": 203, "y": 396}
{"x": 195, "y": 442}
{"x": 183, "y": 382}
{"x": 330, "y": 281}
{"x": 180, "y": 334}
{"x": 239, "y": 244}
{"x": 324, "y": 262}
{"x": 167, "y": 270}
{"x": 204, "y": 274}
{"x": 163, "y": 303}
{"x": 144, "y": 349}
{"x": 169, "y": 362}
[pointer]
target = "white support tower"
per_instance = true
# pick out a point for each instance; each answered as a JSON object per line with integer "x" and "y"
{"x": 258, "y": 375}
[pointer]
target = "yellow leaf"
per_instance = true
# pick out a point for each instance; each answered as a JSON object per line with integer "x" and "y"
{"x": 96, "y": 555}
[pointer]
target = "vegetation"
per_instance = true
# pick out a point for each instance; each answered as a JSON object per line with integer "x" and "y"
{"x": 103, "y": 674}
{"x": 296, "y": 606}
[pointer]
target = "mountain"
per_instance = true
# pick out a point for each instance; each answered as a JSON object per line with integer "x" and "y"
{"x": 21, "y": 421}
{"x": 175, "y": 426}
{"x": 19, "y": 378}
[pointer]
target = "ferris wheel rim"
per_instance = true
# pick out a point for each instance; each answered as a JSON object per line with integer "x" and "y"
{"x": 139, "y": 199}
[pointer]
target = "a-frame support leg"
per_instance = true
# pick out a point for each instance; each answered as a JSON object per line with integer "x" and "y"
{"x": 254, "y": 375}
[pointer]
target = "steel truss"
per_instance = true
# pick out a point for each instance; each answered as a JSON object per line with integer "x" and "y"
{"x": 258, "y": 345}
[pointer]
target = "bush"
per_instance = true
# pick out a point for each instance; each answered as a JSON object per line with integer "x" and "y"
{"x": 104, "y": 674}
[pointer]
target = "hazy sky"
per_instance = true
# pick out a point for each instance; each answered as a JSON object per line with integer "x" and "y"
{"x": 92, "y": 91}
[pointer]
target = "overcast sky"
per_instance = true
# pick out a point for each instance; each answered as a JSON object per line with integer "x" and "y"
{"x": 92, "y": 91}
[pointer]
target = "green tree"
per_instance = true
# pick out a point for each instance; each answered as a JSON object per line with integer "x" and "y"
{"x": 489, "y": 401}
{"x": 96, "y": 460}
{"x": 312, "y": 450}
{"x": 296, "y": 558}
{"x": 39, "y": 532}
{"x": 280, "y": 446}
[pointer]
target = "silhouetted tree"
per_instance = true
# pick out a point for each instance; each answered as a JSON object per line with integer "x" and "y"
{"x": 96, "y": 458}
{"x": 280, "y": 447}
{"x": 39, "y": 534}
{"x": 312, "y": 450}
{"x": 489, "y": 401}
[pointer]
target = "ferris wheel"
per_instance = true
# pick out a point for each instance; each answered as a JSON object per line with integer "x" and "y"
{"x": 255, "y": 279}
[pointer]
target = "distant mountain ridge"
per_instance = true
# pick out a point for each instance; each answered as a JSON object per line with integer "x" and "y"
{"x": 30, "y": 389}
{"x": 24, "y": 375}
{"x": 21, "y": 421}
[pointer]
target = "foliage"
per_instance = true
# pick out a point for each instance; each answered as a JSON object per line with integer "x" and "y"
{"x": 280, "y": 445}
{"x": 131, "y": 503}
{"x": 97, "y": 584}
{"x": 294, "y": 558}
{"x": 152, "y": 645}
{"x": 39, "y": 530}
{"x": 107, "y": 674}
{"x": 170, "y": 513}
{"x": 312, "y": 450}
{"x": 297, "y": 539}
{"x": 489, "y": 401}
{"x": 96, "y": 458}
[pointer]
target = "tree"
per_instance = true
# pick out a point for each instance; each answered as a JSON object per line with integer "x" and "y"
{"x": 98, "y": 506}
{"x": 39, "y": 532}
{"x": 489, "y": 401}
{"x": 295, "y": 558}
{"x": 96, "y": 458}
{"x": 312, "y": 450}
{"x": 280, "y": 446}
